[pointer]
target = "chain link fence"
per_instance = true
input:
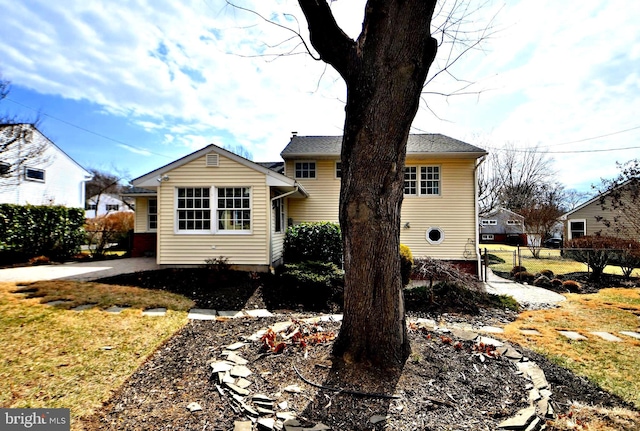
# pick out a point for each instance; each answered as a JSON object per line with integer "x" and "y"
{"x": 503, "y": 258}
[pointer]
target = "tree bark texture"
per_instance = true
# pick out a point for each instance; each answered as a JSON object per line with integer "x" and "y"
{"x": 385, "y": 70}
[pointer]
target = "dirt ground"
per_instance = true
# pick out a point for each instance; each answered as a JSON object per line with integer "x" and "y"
{"x": 446, "y": 383}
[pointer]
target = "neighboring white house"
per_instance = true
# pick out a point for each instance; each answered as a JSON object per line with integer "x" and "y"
{"x": 107, "y": 203}
{"x": 33, "y": 170}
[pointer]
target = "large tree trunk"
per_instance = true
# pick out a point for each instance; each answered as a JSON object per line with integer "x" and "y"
{"x": 384, "y": 70}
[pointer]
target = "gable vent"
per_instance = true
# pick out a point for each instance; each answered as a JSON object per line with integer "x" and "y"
{"x": 212, "y": 160}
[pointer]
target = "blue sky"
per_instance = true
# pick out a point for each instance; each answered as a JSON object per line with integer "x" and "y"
{"x": 133, "y": 85}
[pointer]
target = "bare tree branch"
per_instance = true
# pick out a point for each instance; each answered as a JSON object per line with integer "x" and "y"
{"x": 295, "y": 32}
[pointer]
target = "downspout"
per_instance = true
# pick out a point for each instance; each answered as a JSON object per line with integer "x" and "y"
{"x": 273, "y": 199}
{"x": 476, "y": 210}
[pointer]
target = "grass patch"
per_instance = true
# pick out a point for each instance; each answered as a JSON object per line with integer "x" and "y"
{"x": 581, "y": 417}
{"x": 104, "y": 295}
{"x": 613, "y": 366}
{"x": 54, "y": 357}
{"x": 549, "y": 259}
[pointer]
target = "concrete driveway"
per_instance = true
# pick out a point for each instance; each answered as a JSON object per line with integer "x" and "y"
{"x": 81, "y": 271}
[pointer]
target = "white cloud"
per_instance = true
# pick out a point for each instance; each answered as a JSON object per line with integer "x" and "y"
{"x": 555, "y": 72}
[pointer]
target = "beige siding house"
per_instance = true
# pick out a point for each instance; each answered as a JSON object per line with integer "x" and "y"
{"x": 209, "y": 204}
{"x": 588, "y": 218}
{"x": 214, "y": 203}
{"x": 439, "y": 212}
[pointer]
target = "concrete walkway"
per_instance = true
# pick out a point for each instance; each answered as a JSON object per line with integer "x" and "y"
{"x": 523, "y": 293}
{"x": 80, "y": 271}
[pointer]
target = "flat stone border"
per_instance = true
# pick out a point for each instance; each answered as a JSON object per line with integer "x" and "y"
{"x": 155, "y": 312}
{"x": 202, "y": 314}
{"x": 607, "y": 336}
{"x": 573, "y": 335}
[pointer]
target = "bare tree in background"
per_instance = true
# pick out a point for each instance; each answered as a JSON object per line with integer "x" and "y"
{"x": 516, "y": 178}
{"x": 18, "y": 149}
{"x": 102, "y": 183}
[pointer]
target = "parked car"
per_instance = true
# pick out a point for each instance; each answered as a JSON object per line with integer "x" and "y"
{"x": 553, "y": 243}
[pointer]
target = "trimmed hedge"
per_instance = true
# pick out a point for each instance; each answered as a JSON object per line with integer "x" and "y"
{"x": 319, "y": 241}
{"x": 35, "y": 230}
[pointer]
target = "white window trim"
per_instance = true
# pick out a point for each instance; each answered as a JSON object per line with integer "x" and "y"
{"x": 487, "y": 237}
{"x": 335, "y": 171}
{"x": 430, "y": 195}
{"x": 577, "y": 220}
{"x": 513, "y": 222}
{"x": 26, "y": 177}
{"x": 489, "y": 222}
{"x": 429, "y": 240}
{"x": 279, "y": 216}
{"x": 305, "y": 178}
{"x": 418, "y": 181}
{"x": 149, "y": 228}
{"x": 214, "y": 209}
{"x": 212, "y": 218}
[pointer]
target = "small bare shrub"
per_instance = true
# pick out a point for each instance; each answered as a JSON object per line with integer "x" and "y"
{"x": 39, "y": 260}
{"x": 516, "y": 269}
{"x": 523, "y": 276}
{"x": 547, "y": 273}
{"x": 572, "y": 286}
{"x": 556, "y": 282}
{"x": 542, "y": 281}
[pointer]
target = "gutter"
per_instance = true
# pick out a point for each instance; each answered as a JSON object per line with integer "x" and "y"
{"x": 477, "y": 230}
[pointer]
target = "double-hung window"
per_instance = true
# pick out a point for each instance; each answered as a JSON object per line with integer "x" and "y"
{"x": 152, "y": 214}
{"x": 429, "y": 180}
{"x": 304, "y": 170}
{"x": 410, "y": 181}
{"x": 234, "y": 208}
{"x": 193, "y": 209}
{"x": 422, "y": 180}
{"x": 577, "y": 228}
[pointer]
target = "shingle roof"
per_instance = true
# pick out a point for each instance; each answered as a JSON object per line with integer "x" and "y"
{"x": 416, "y": 144}
{"x": 274, "y": 166}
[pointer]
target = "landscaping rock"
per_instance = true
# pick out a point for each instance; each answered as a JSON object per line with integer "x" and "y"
{"x": 377, "y": 418}
{"x": 194, "y": 407}
{"x": 242, "y": 426}
{"x": 115, "y": 309}
{"x": 260, "y": 312}
{"x": 631, "y": 334}
{"x": 520, "y": 421}
{"x": 607, "y": 336}
{"x": 240, "y": 371}
{"x": 201, "y": 314}
{"x": 230, "y": 314}
{"x": 572, "y": 335}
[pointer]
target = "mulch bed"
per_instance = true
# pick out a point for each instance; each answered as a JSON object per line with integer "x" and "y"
{"x": 443, "y": 385}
